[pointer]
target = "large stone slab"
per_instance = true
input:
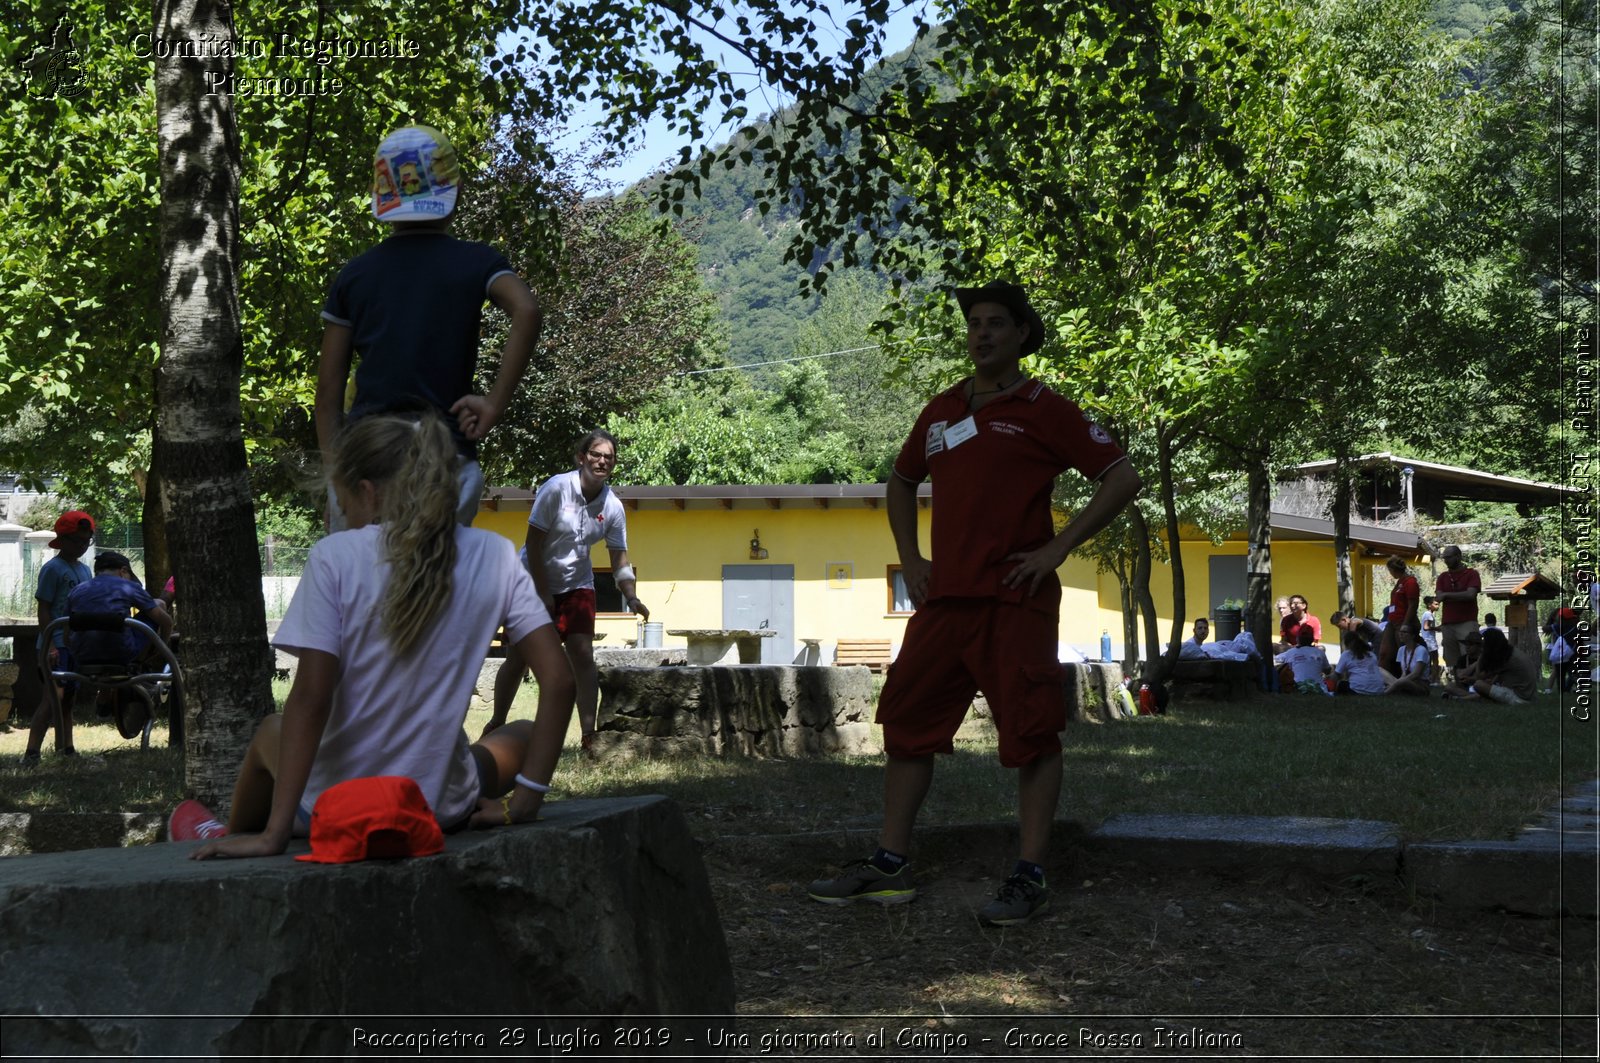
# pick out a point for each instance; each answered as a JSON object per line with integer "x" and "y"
{"x": 603, "y": 908}
{"x": 737, "y": 710}
{"x": 1244, "y": 843}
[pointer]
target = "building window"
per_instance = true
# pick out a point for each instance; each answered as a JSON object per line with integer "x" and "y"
{"x": 899, "y": 600}
{"x": 607, "y": 597}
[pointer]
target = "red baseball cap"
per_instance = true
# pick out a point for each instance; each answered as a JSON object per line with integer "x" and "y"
{"x": 70, "y": 523}
{"x": 382, "y": 817}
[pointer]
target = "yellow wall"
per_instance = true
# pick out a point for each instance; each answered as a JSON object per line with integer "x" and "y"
{"x": 679, "y": 556}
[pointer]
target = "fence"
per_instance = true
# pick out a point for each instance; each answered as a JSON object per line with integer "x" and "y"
{"x": 20, "y": 563}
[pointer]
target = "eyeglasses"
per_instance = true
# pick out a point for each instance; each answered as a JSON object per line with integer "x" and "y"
{"x": 602, "y": 455}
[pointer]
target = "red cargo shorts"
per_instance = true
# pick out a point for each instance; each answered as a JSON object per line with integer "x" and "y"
{"x": 955, "y": 647}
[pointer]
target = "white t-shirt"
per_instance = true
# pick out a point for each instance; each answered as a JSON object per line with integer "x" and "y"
{"x": 1308, "y": 662}
{"x": 1362, "y": 673}
{"x": 1408, "y": 657}
{"x": 403, "y": 716}
{"x": 571, "y": 525}
{"x": 1429, "y": 632}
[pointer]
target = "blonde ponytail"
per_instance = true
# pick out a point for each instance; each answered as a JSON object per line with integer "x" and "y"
{"x": 412, "y": 463}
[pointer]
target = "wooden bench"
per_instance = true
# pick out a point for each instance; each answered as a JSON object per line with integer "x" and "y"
{"x": 872, "y": 654}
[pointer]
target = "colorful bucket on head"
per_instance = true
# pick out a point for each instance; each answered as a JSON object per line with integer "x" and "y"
{"x": 415, "y": 176}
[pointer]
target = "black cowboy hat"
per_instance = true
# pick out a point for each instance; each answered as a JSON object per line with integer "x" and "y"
{"x": 1014, "y": 299}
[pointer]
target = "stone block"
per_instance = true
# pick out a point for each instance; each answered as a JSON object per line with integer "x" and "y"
{"x": 1526, "y": 878}
{"x": 736, "y": 710}
{"x": 1216, "y": 679}
{"x": 618, "y": 657}
{"x": 1245, "y": 843}
{"x": 603, "y": 908}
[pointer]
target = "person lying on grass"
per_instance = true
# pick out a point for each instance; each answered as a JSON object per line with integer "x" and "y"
{"x": 391, "y": 623}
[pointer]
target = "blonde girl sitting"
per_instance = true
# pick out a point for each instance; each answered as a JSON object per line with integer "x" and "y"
{"x": 391, "y": 623}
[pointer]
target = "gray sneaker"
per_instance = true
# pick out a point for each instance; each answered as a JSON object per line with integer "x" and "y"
{"x": 1019, "y": 900}
{"x": 862, "y": 881}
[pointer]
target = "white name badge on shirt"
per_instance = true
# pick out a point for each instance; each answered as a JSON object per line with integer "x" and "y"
{"x": 960, "y": 432}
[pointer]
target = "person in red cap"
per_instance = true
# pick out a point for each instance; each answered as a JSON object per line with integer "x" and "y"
{"x": 57, "y": 578}
{"x": 988, "y": 602}
{"x": 391, "y": 623}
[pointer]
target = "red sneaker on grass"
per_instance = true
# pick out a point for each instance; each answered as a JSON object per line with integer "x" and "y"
{"x": 192, "y": 822}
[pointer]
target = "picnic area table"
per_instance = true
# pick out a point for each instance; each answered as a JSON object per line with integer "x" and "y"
{"x": 709, "y": 645}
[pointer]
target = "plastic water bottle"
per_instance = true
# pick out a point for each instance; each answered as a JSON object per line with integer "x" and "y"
{"x": 1105, "y": 645}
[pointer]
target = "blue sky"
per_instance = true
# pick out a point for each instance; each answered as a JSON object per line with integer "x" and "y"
{"x": 664, "y": 145}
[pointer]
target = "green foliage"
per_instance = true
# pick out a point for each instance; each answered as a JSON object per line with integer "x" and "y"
{"x": 623, "y": 307}
{"x": 79, "y": 334}
{"x": 42, "y": 512}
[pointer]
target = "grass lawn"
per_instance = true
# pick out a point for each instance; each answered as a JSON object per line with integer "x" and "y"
{"x": 1440, "y": 769}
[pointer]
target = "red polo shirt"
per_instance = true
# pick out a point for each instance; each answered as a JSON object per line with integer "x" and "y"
{"x": 992, "y": 487}
{"x": 1461, "y": 579}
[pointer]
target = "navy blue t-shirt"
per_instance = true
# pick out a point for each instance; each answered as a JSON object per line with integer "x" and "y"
{"x": 414, "y": 306}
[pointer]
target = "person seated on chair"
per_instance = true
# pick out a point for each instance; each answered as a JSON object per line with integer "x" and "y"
{"x": 114, "y": 591}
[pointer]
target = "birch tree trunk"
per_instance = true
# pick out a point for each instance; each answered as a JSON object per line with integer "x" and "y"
{"x": 204, "y": 481}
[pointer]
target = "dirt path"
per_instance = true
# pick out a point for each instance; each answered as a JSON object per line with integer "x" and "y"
{"x": 1132, "y": 961}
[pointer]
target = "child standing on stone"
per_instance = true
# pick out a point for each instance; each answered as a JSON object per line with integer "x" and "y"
{"x": 408, "y": 313}
{"x": 391, "y": 623}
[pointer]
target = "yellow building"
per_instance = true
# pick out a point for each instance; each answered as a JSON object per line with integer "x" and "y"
{"x": 817, "y": 562}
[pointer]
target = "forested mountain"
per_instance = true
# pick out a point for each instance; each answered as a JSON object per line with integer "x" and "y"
{"x": 741, "y": 252}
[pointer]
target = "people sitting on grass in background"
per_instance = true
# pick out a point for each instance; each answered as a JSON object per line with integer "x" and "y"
{"x": 1564, "y": 652}
{"x": 1503, "y": 674}
{"x": 390, "y": 623}
{"x": 1368, "y": 629}
{"x": 1430, "y": 629}
{"x": 57, "y": 578}
{"x": 1403, "y": 610}
{"x": 1299, "y": 617}
{"x": 1358, "y": 669}
{"x": 1413, "y": 664}
{"x": 114, "y": 591}
{"x": 1307, "y": 663}
{"x": 1195, "y": 645}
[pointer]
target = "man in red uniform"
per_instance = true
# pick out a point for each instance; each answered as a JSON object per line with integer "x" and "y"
{"x": 1457, "y": 589}
{"x": 989, "y": 600}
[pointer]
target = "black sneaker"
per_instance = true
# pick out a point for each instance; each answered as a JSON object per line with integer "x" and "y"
{"x": 1020, "y": 899}
{"x": 862, "y": 881}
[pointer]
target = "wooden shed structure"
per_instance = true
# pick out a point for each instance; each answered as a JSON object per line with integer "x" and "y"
{"x": 1520, "y": 590}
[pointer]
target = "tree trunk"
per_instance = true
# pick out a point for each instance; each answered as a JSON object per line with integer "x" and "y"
{"x": 1130, "y": 622}
{"x": 1141, "y": 585}
{"x": 1165, "y": 663}
{"x": 153, "y": 524}
{"x": 1258, "y": 563}
{"x": 1341, "y": 533}
{"x": 205, "y": 488}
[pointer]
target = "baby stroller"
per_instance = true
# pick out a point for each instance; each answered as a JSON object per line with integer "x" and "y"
{"x": 138, "y": 692}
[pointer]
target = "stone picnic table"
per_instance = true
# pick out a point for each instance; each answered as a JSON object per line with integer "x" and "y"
{"x": 709, "y": 645}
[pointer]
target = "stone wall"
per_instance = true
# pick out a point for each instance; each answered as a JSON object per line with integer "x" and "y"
{"x": 602, "y": 908}
{"x": 737, "y": 710}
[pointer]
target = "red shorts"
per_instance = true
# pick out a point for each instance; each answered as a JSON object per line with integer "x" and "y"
{"x": 956, "y": 647}
{"x": 574, "y": 612}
